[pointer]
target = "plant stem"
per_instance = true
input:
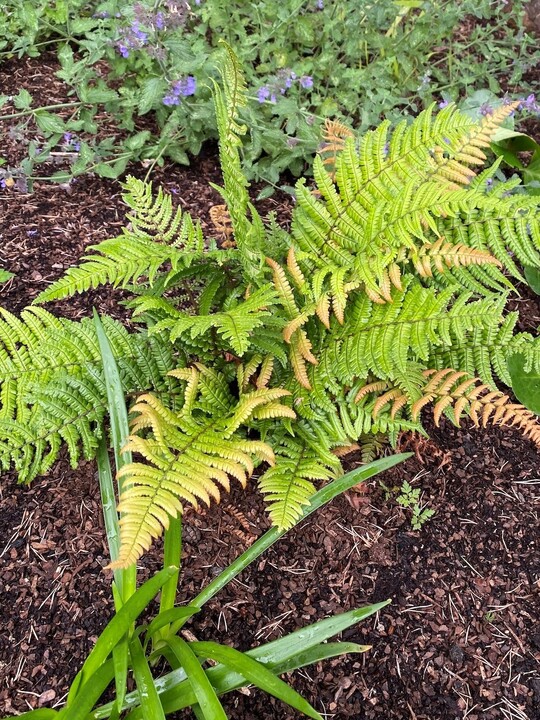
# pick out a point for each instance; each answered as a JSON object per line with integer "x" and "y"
{"x": 31, "y": 111}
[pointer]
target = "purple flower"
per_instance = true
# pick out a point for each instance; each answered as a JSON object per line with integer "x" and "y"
{"x": 184, "y": 87}
{"x": 263, "y": 93}
{"x": 530, "y": 104}
{"x": 123, "y": 50}
{"x": 443, "y": 104}
{"x": 273, "y": 98}
{"x": 187, "y": 86}
{"x": 486, "y": 109}
{"x": 2, "y": 183}
{"x": 489, "y": 182}
{"x": 171, "y": 100}
{"x": 67, "y": 137}
{"x": 159, "y": 20}
{"x": 76, "y": 146}
{"x": 289, "y": 79}
{"x": 306, "y": 81}
{"x": 139, "y": 34}
{"x": 320, "y": 4}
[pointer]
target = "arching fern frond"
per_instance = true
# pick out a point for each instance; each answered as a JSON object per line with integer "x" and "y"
{"x": 190, "y": 455}
{"x": 52, "y": 385}
{"x": 229, "y": 98}
{"x": 235, "y": 326}
{"x": 454, "y": 394}
{"x": 288, "y": 485}
{"x": 158, "y": 238}
{"x": 399, "y": 194}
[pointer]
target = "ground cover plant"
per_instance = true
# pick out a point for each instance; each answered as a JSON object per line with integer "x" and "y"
{"x": 147, "y": 65}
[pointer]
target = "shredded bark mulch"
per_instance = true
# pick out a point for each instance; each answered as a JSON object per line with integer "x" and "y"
{"x": 461, "y": 638}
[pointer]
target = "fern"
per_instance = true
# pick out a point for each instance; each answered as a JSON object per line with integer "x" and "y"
{"x": 157, "y": 236}
{"x": 288, "y": 484}
{"x": 52, "y": 386}
{"x": 455, "y": 394}
{"x": 189, "y": 454}
{"x": 290, "y": 347}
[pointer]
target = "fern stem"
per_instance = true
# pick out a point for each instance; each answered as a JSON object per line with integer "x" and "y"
{"x": 321, "y": 498}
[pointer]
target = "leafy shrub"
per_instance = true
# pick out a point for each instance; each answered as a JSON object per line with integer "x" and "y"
{"x": 305, "y": 60}
{"x": 388, "y": 294}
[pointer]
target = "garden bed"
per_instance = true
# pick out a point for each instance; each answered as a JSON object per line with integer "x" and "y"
{"x": 461, "y": 637}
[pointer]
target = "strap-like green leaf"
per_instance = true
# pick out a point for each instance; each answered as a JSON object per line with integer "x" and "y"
{"x": 150, "y": 703}
{"x": 207, "y": 699}
{"x": 89, "y": 693}
{"x": 256, "y": 673}
{"x": 118, "y": 627}
{"x": 168, "y": 616}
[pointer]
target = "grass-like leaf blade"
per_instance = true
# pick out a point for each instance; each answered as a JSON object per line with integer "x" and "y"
{"x": 256, "y": 673}
{"x": 151, "y": 707}
{"x": 210, "y": 707}
{"x": 118, "y": 627}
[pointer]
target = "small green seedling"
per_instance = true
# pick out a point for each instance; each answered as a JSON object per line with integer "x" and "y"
{"x": 409, "y": 498}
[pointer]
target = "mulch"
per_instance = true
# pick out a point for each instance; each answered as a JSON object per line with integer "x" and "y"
{"x": 461, "y": 638}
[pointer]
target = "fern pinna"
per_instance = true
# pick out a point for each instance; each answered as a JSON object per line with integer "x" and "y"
{"x": 289, "y": 348}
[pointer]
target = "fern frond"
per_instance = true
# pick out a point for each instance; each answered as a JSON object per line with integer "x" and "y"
{"x": 189, "y": 454}
{"x": 158, "y": 237}
{"x": 288, "y": 485}
{"x": 398, "y": 195}
{"x": 235, "y": 326}
{"x": 382, "y": 339}
{"x": 228, "y": 100}
{"x": 53, "y": 389}
{"x": 333, "y": 142}
{"x": 455, "y": 393}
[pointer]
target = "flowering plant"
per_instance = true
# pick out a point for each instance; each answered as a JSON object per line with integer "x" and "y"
{"x": 304, "y": 61}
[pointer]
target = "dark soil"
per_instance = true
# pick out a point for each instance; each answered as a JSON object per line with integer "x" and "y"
{"x": 461, "y": 638}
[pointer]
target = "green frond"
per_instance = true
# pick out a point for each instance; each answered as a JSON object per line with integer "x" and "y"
{"x": 236, "y": 326}
{"x": 288, "y": 485}
{"x": 393, "y": 196}
{"x": 52, "y": 385}
{"x": 189, "y": 455}
{"x": 158, "y": 238}
{"x": 383, "y": 339}
{"x": 229, "y": 98}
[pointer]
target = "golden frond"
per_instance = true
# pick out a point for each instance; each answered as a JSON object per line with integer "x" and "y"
{"x": 334, "y": 135}
{"x": 452, "y": 167}
{"x": 267, "y": 367}
{"x": 283, "y": 287}
{"x": 294, "y": 269}
{"x": 323, "y": 310}
{"x": 219, "y": 215}
{"x": 299, "y": 367}
{"x": 460, "y": 394}
{"x": 442, "y": 255}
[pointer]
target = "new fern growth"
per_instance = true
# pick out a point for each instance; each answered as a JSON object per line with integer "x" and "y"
{"x": 287, "y": 348}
